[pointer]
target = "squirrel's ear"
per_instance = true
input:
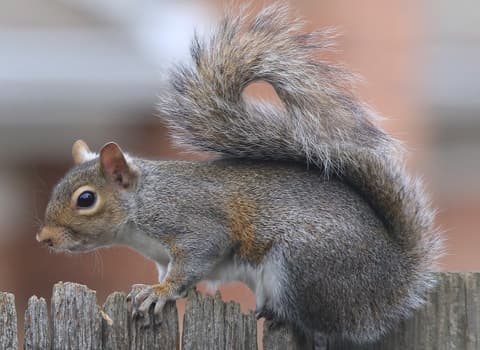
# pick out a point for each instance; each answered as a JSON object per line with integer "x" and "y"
{"x": 115, "y": 166}
{"x": 81, "y": 152}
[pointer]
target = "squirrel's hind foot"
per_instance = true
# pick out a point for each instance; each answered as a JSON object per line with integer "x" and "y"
{"x": 270, "y": 316}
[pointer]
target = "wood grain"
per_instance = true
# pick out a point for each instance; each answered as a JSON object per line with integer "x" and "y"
{"x": 8, "y": 322}
{"x": 37, "y": 331}
{"x": 449, "y": 320}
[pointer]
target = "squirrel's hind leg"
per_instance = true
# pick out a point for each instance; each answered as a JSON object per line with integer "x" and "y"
{"x": 271, "y": 301}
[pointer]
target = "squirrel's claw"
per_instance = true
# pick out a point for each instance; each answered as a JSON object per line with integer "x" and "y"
{"x": 274, "y": 325}
{"x": 157, "y": 310}
{"x": 136, "y": 289}
{"x": 265, "y": 313}
{"x": 271, "y": 320}
{"x": 142, "y": 297}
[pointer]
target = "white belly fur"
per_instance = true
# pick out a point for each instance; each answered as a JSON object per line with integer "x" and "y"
{"x": 264, "y": 280}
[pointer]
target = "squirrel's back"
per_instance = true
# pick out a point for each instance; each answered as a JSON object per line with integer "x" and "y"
{"x": 322, "y": 125}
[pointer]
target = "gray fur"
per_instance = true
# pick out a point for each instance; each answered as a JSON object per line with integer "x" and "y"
{"x": 321, "y": 122}
{"x": 333, "y": 236}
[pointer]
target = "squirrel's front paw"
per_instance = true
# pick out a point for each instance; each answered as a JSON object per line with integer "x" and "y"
{"x": 143, "y": 296}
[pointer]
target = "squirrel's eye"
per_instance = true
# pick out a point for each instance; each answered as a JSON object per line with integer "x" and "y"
{"x": 86, "y": 199}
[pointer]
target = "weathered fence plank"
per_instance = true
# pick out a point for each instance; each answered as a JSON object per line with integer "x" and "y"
{"x": 209, "y": 323}
{"x": 284, "y": 338}
{"x": 8, "y": 322}
{"x": 115, "y": 322}
{"x": 450, "y": 320}
{"x": 472, "y": 298}
{"x": 37, "y": 332}
{"x": 157, "y": 335}
{"x": 76, "y": 322}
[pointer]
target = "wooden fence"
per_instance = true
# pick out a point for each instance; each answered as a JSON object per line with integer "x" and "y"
{"x": 451, "y": 320}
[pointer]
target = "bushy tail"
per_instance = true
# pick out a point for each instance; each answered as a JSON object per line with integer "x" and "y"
{"x": 320, "y": 122}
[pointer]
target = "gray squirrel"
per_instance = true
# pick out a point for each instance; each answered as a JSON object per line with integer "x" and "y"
{"x": 308, "y": 202}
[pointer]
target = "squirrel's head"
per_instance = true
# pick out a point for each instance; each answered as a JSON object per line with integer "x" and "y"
{"x": 87, "y": 207}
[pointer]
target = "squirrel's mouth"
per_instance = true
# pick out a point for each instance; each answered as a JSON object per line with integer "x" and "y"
{"x": 65, "y": 239}
{"x": 78, "y": 247}
{"x": 60, "y": 239}
{"x": 51, "y": 236}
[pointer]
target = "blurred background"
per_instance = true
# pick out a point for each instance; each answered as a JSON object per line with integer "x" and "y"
{"x": 92, "y": 69}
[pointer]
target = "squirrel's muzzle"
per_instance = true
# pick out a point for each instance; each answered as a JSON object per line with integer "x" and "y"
{"x": 49, "y": 235}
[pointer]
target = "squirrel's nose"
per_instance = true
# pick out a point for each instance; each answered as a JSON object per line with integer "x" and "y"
{"x": 48, "y": 235}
